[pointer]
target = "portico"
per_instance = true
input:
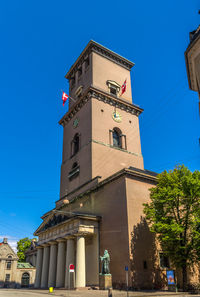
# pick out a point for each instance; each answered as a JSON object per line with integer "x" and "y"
{"x": 63, "y": 241}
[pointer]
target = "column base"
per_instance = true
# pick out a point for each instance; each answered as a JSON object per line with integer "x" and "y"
{"x": 105, "y": 281}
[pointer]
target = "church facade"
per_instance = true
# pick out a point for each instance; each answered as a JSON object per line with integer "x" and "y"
{"x": 103, "y": 184}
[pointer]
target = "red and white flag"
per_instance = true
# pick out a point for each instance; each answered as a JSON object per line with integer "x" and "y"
{"x": 123, "y": 88}
{"x": 64, "y": 98}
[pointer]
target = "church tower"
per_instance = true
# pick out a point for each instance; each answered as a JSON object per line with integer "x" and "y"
{"x": 103, "y": 183}
{"x": 101, "y": 128}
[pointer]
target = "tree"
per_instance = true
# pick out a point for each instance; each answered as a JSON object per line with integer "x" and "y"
{"x": 174, "y": 215}
{"x": 22, "y": 246}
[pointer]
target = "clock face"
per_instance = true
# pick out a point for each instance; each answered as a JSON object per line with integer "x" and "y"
{"x": 116, "y": 116}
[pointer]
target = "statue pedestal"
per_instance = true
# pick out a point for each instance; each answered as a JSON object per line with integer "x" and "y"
{"x": 105, "y": 281}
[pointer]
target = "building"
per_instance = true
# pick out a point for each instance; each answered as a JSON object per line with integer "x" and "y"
{"x": 31, "y": 253}
{"x": 192, "y": 58}
{"x": 103, "y": 183}
{"x": 12, "y": 273}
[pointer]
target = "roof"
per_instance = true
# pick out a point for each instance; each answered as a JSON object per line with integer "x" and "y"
{"x": 24, "y": 265}
{"x": 96, "y": 47}
{"x": 144, "y": 171}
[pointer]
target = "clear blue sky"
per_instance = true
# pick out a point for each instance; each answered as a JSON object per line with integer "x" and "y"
{"x": 39, "y": 42}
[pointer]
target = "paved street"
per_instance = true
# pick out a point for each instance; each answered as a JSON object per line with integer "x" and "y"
{"x": 86, "y": 293}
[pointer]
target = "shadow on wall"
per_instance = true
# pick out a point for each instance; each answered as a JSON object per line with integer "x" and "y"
{"x": 145, "y": 267}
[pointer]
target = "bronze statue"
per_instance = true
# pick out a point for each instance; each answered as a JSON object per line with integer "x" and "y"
{"x": 105, "y": 263}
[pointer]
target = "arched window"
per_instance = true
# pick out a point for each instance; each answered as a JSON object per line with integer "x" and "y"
{"x": 117, "y": 138}
{"x": 9, "y": 262}
{"x": 75, "y": 144}
{"x": 25, "y": 280}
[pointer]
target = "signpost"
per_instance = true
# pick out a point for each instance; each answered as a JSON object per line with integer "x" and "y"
{"x": 71, "y": 267}
{"x": 71, "y": 276}
{"x": 126, "y": 269}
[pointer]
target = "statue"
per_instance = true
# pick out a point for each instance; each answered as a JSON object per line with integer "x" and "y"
{"x": 105, "y": 263}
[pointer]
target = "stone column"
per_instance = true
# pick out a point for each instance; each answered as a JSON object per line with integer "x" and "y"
{"x": 45, "y": 267}
{"x": 38, "y": 267}
{"x": 70, "y": 259}
{"x": 94, "y": 258}
{"x": 80, "y": 262}
{"x": 52, "y": 265}
{"x": 60, "y": 275}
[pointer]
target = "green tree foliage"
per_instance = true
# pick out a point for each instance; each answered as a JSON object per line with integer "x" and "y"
{"x": 174, "y": 215}
{"x": 23, "y": 245}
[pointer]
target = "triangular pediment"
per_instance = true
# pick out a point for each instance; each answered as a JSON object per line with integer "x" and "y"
{"x": 6, "y": 251}
{"x": 51, "y": 220}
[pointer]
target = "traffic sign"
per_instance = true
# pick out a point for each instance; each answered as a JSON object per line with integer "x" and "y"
{"x": 126, "y": 268}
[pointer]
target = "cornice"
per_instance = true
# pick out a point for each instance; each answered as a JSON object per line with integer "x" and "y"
{"x": 190, "y": 54}
{"x": 102, "y": 51}
{"x": 142, "y": 175}
{"x": 101, "y": 96}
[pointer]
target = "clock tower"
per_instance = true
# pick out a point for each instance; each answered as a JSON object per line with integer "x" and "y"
{"x": 101, "y": 128}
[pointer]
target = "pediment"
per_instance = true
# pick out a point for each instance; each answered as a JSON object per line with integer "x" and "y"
{"x": 6, "y": 250}
{"x": 51, "y": 220}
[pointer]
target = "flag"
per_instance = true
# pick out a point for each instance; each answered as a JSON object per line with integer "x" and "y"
{"x": 123, "y": 88}
{"x": 64, "y": 97}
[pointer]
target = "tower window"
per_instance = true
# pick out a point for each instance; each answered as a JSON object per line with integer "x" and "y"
{"x": 79, "y": 72}
{"x": 116, "y": 139}
{"x": 72, "y": 82}
{"x": 113, "y": 87}
{"x": 145, "y": 264}
{"x": 113, "y": 90}
{"x": 74, "y": 172}
{"x": 75, "y": 144}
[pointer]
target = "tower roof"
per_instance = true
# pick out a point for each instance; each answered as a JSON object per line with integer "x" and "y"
{"x": 93, "y": 46}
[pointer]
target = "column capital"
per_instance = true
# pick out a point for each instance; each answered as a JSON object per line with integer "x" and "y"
{"x": 52, "y": 242}
{"x": 45, "y": 244}
{"x": 39, "y": 247}
{"x": 61, "y": 239}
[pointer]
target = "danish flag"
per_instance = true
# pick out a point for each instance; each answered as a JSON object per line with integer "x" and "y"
{"x": 64, "y": 98}
{"x": 123, "y": 87}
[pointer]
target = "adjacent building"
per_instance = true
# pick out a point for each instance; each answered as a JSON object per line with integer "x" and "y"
{"x": 103, "y": 184}
{"x": 192, "y": 57}
{"x": 12, "y": 273}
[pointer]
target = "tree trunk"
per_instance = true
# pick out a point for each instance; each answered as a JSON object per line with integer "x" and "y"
{"x": 184, "y": 275}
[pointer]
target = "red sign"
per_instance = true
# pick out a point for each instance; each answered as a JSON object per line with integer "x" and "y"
{"x": 71, "y": 267}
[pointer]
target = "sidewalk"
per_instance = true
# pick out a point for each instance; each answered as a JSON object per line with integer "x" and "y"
{"x": 115, "y": 293}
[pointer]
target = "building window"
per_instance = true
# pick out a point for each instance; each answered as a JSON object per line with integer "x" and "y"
{"x": 145, "y": 264}
{"x": 113, "y": 90}
{"x": 75, "y": 144}
{"x": 164, "y": 261}
{"x": 7, "y": 279}
{"x": 117, "y": 139}
{"x": 72, "y": 82}
{"x": 8, "y": 263}
{"x": 113, "y": 87}
{"x": 79, "y": 72}
{"x": 74, "y": 172}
